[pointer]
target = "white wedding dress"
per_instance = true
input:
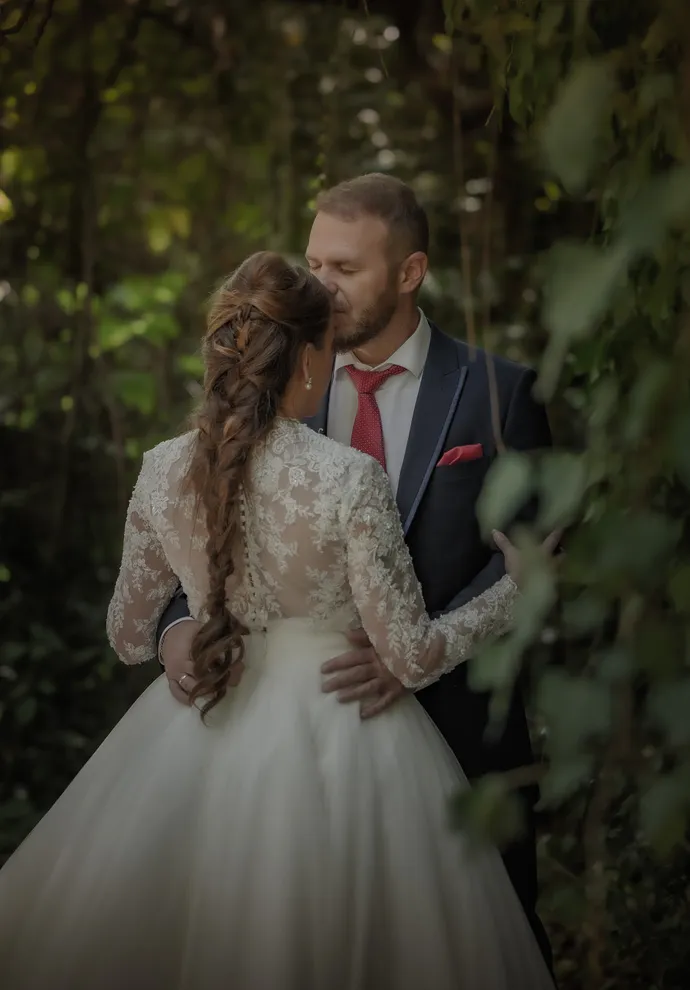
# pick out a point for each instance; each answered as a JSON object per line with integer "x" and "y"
{"x": 286, "y": 845}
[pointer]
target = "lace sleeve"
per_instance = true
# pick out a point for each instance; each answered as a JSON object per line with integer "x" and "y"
{"x": 416, "y": 650}
{"x": 144, "y": 585}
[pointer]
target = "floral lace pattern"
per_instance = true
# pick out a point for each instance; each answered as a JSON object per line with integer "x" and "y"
{"x": 322, "y": 539}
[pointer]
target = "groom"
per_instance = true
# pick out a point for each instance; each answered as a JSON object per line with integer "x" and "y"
{"x": 413, "y": 397}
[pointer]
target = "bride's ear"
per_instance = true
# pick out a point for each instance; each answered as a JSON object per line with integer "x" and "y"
{"x": 305, "y": 362}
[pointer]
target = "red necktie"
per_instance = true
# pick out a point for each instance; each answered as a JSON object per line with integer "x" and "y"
{"x": 367, "y": 433}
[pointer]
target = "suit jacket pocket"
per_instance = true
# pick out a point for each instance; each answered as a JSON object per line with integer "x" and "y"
{"x": 463, "y": 471}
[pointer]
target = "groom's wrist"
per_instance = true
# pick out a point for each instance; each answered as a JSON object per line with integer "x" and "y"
{"x": 161, "y": 641}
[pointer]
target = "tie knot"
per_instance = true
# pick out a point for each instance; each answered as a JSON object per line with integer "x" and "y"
{"x": 368, "y": 382}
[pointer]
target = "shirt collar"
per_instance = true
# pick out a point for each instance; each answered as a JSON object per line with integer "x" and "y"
{"x": 411, "y": 355}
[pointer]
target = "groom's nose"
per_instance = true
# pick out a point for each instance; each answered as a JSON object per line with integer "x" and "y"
{"x": 325, "y": 276}
{"x": 330, "y": 283}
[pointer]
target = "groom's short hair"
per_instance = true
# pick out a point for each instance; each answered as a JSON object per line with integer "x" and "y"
{"x": 385, "y": 197}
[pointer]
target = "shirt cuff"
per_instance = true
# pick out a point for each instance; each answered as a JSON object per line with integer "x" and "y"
{"x": 183, "y": 618}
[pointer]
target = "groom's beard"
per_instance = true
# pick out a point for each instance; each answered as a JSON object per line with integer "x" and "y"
{"x": 369, "y": 323}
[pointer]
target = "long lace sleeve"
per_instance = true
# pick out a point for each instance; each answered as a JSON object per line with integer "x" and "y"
{"x": 416, "y": 650}
{"x": 144, "y": 586}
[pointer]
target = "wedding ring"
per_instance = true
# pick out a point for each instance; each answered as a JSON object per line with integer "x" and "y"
{"x": 181, "y": 684}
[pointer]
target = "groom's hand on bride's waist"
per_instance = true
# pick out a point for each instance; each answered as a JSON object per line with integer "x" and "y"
{"x": 174, "y": 654}
{"x": 359, "y": 675}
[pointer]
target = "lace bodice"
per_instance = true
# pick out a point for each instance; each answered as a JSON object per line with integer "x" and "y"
{"x": 322, "y": 539}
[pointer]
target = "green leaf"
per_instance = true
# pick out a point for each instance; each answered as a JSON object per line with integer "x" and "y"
{"x": 661, "y": 204}
{"x": 580, "y": 283}
{"x": 191, "y": 364}
{"x": 576, "y": 709}
{"x": 508, "y": 485}
{"x": 564, "y": 778}
{"x": 648, "y": 390}
{"x": 628, "y": 545}
{"x": 615, "y": 664}
{"x": 562, "y": 485}
{"x": 573, "y": 137}
{"x": 668, "y": 709}
{"x": 585, "y": 613}
{"x": 136, "y": 389}
{"x": 496, "y": 666}
{"x": 488, "y": 812}
{"x": 114, "y": 332}
{"x": 664, "y": 810}
{"x": 6, "y": 207}
{"x": 537, "y": 594}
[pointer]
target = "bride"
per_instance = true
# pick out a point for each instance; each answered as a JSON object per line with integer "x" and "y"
{"x": 267, "y": 839}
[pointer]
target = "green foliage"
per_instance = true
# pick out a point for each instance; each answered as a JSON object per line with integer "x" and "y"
{"x": 147, "y": 148}
{"x": 599, "y": 94}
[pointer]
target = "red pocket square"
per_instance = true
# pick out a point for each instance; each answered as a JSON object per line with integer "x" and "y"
{"x": 472, "y": 452}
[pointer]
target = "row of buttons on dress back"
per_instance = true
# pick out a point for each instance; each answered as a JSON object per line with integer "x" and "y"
{"x": 253, "y": 593}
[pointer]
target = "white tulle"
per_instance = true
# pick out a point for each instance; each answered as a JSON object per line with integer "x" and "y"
{"x": 285, "y": 846}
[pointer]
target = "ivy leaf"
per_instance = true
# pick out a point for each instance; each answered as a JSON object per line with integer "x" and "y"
{"x": 662, "y": 203}
{"x": 630, "y": 544}
{"x": 580, "y": 282}
{"x": 537, "y": 595}
{"x": 564, "y": 778}
{"x": 488, "y": 812}
{"x": 576, "y": 709}
{"x": 646, "y": 393}
{"x": 562, "y": 485}
{"x": 664, "y": 809}
{"x": 509, "y": 484}
{"x": 496, "y": 666}
{"x": 573, "y": 137}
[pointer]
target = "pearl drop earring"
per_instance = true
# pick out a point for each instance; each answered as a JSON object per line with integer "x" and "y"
{"x": 309, "y": 383}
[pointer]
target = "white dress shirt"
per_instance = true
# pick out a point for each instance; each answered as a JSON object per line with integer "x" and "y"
{"x": 396, "y": 398}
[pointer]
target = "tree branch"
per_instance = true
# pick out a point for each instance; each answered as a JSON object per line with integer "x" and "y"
{"x": 121, "y": 61}
{"x": 23, "y": 18}
{"x": 47, "y": 14}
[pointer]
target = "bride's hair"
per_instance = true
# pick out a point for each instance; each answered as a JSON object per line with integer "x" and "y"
{"x": 259, "y": 320}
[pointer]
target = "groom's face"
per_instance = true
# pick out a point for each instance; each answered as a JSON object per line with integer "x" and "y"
{"x": 352, "y": 259}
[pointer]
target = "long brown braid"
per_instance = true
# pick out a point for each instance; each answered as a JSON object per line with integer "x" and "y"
{"x": 258, "y": 323}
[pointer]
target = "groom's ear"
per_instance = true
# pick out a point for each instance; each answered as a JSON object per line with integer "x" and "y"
{"x": 412, "y": 272}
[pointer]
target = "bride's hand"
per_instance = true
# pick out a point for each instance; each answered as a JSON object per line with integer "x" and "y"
{"x": 513, "y": 557}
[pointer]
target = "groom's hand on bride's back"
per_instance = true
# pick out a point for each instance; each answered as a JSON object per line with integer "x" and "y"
{"x": 359, "y": 675}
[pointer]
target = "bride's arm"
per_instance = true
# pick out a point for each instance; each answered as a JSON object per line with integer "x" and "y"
{"x": 416, "y": 649}
{"x": 145, "y": 583}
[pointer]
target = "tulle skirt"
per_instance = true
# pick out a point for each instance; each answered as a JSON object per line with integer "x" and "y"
{"x": 286, "y": 845}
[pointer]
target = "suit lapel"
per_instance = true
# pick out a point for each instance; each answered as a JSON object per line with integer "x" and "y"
{"x": 442, "y": 383}
{"x": 443, "y": 380}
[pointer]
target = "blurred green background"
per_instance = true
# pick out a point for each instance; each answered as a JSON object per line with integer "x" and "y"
{"x": 147, "y": 146}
